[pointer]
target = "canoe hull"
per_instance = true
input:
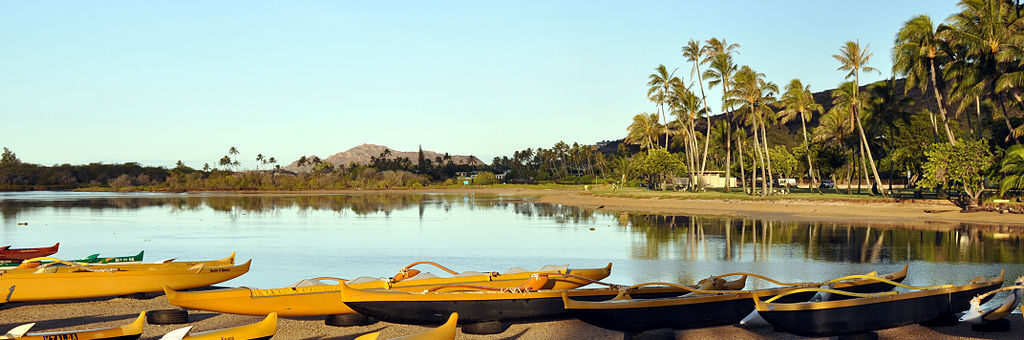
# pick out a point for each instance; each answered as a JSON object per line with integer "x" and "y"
{"x": 886, "y": 313}
{"x": 262, "y": 330}
{"x": 327, "y": 299}
{"x": 518, "y": 307}
{"x": 19, "y": 254}
{"x": 76, "y": 285}
{"x": 688, "y": 312}
{"x": 241, "y": 301}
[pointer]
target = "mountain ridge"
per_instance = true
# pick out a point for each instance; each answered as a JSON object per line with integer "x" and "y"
{"x": 363, "y": 153}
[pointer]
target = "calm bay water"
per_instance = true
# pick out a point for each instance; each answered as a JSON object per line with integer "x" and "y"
{"x": 291, "y": 237}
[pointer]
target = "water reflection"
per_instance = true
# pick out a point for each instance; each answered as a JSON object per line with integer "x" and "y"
{"x": 697, "y": 238}
{"x": 650, "y": 237}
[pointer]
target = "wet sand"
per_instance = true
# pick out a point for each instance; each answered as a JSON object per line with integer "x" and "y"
{"x": 95, "y": 313}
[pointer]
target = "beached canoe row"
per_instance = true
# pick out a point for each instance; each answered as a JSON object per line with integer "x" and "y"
{"x": 62, "y": 280}
{"x": 485, "y": 302}
{"x": 493, "y": 298}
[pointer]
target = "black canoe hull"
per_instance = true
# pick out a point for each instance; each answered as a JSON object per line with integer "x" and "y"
{"x": 684, "y": 316}
{"x": 871, "y": 317}
{"x": 474, "y": 311}
{"x": 727, "y": 311}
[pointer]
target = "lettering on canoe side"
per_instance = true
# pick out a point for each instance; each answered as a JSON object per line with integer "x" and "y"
{"x": 70, "y": 336}
{"x": 217, "y": 270}
{"x": 227, "y": 338}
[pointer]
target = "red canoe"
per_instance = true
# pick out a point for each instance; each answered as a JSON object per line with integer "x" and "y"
{"x": 19, "y": 254}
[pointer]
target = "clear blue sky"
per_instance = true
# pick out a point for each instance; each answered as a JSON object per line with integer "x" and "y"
{"x": 159, "y": 81}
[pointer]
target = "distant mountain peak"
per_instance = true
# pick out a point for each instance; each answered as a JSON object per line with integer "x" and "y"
{"x": 362, "y": 154}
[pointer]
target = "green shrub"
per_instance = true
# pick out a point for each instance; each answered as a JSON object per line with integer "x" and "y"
{"x": 485, "y": 178}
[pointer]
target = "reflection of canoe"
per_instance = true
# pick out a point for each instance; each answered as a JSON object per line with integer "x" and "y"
{"x": 865, "y": 314}
{"x": 444, "y": 332}
{"x": 126, "y": 332}
{"x": 94, "y": 258}
{"x": 18, "y": 254}
{"x": 258, "y": 331}
{"x": 476, "y": 306}
{"x": 700, "y": 309}
{"x": 78, "y": 281}
{"x": 313, "y": 297}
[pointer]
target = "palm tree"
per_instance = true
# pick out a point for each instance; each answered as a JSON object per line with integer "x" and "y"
{"x": 844, "y": 104}
{"x": 834, "y": 127}
{"x": 798, "y": 101}
{"x": 696, "y": 53}
{"x": 917, "y": 47}
{"x": 660, "y": 91}
{"x": 885, "y": 109}
{"x": 984, "y": 29}
{"x": 686, "y": 106}
{"x": 1012, "y": 170}
{"x": 644, "y": 131}
{"x": 854, "y": 59}
{"x": 719, "y": 56}
{"x": 741, "y": 136}
{"x": 752, "y": 92}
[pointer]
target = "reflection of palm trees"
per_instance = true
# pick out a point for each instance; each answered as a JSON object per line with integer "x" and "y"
{"x": 714, "y": 239}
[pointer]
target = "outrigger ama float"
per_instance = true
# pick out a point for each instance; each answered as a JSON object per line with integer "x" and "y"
{"x": 313, "y": 297}
{"x": 444, "y": 332}
{"x": 262, "y": 330}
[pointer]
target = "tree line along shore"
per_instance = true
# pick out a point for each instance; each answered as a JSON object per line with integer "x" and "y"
{"x": 946, "y": 124}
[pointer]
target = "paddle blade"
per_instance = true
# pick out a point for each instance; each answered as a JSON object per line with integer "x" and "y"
{"x": 177, "y": 334}
{"x": 18, "y": 332}
{"x": 974, "y": 315}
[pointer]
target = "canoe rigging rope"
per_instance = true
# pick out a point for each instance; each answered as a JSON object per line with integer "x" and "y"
{"x": 887, "y": 281}
{"x": 588, "y": 280}
{"x": 430, "y": 263}
{"x": 767, "y": 279}
{"x": 1003, "y": 289}
{"x": 833, "y": 291}
{"x": 688, "y": 288}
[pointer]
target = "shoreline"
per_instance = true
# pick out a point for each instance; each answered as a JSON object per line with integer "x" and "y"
{"x": 927, "y": 214}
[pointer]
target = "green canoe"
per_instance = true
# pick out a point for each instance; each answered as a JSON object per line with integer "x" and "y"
{"x": 94, "y": 258}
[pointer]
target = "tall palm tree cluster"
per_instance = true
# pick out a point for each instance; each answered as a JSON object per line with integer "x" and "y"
{"x": 966, "y": 74}
{"x": 562, "y": 163}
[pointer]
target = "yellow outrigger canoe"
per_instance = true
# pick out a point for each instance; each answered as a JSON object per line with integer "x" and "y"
{"x": 126, "y": 332}
{"x": 76, "y": 281}
{"x": 444, "y": 332}
{"x": 313, "y": 297}
{"x": 262, "y": 330}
